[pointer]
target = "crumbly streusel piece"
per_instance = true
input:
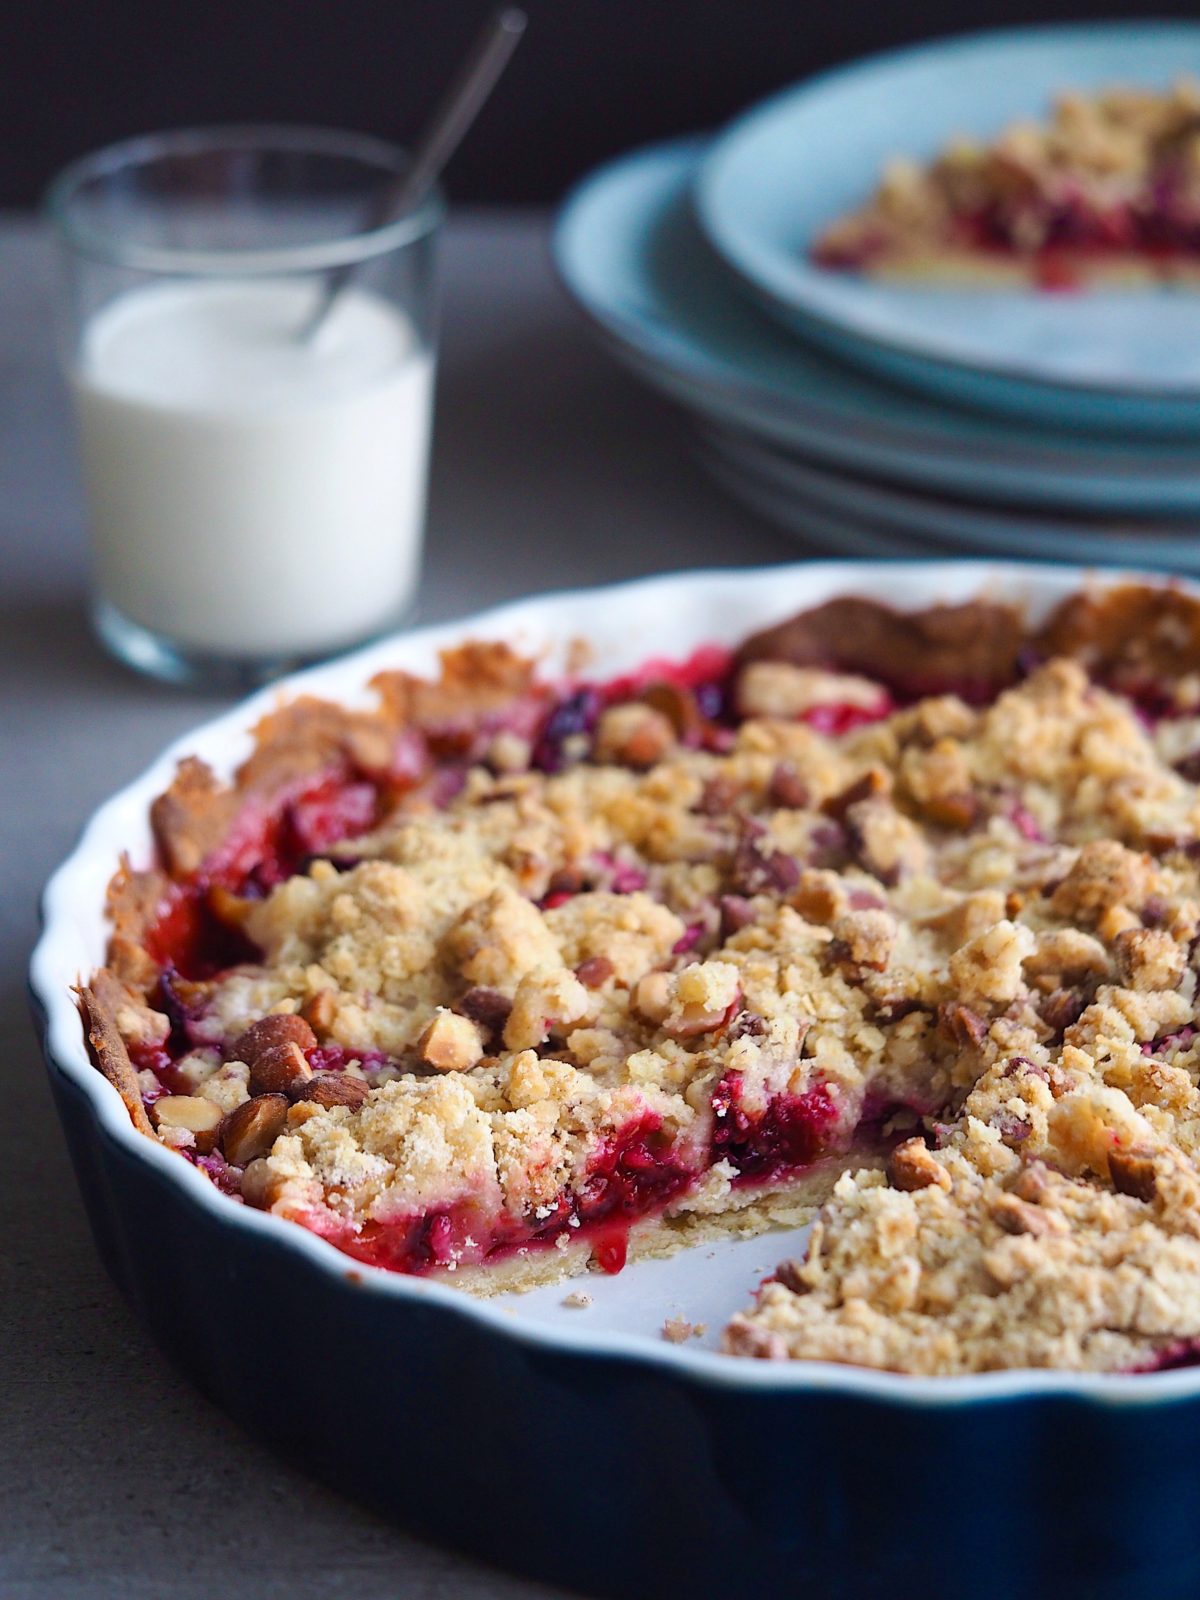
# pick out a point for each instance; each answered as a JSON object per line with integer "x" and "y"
{"x": 1059, "y": 1226}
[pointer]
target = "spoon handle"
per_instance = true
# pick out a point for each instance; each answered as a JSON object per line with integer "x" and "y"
{"x": 456, "y": 111}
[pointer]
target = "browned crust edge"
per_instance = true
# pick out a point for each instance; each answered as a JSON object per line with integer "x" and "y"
{"x": 978, "y": 640}
{"x": 99, "y": 1003}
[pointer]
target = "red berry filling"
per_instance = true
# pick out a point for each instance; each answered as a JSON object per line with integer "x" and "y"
{"x": 790, "y": 1132}
{"x": 634, "y": 1173}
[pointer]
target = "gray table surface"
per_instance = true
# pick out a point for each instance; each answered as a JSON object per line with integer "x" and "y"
{"x": 551, "y": 469}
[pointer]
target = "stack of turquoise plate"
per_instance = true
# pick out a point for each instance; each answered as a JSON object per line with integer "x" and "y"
{"x": 876, "y": 419}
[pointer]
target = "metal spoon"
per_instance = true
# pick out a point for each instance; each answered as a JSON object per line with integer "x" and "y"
{"x": 456, "y": 111}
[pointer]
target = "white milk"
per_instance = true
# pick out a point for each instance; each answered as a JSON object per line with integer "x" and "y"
{"x": 252, "y": 495}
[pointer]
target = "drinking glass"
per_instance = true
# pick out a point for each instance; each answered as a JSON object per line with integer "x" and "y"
{"x": 255, "y": 490}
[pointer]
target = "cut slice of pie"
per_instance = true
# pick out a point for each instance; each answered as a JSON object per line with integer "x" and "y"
{"x": 508, "y": 978}
{"x": 1104, "y": 193}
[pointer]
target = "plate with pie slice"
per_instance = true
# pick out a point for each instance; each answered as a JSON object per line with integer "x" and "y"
{"x": 455, "y": 1042}
{"x": 1010, "y": 220}
{"x": 902, "y": 514}
{"x": 630, "y": 253}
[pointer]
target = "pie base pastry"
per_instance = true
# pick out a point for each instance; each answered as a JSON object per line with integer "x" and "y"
{"x": 888, "y": 914}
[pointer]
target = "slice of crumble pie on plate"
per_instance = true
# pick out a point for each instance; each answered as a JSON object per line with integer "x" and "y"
{"x": 1104, "y": 193}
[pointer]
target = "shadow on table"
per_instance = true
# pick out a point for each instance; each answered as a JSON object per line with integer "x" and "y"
{"x": 50, "y": 645}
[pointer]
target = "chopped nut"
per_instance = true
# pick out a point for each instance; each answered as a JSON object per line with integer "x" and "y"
{"x": 450, "y": 1043}
{"x": 320, "y": 1011}
{"x": 1116, "y": 920}
{"x": 488, "y": 1007}
{"x": 1062, "y": 1009}
{"x": 508, "y": 753}
{"x": 719, "y": 795}
{"x": 952, "y": 810}
{"x": 1015, "y": 1215}
{"x": 757, "y": 869}
{"x": 875, "y": 784}
{"x": 633, "y": 735}
{"x": 269, "y": 1032}
{"x": 275, "y": 1070}
{"x": 791, "y": 1275}
{"x": 966, "y": 1027}
{"x": 788, "y": 789}
{"x": 595, "y": 972}
{"x": 913, "y": 1166}
{"x": 1132, "y": 1172}
{"x": 1032, "y": 1184}
{"x": 252, "y": 1128}
{"x": 678, "y": 705}
{"x": 820, "y": 895}
{"x": 333, "y": 1089}
{"x": 566, "y": 880}
{"x": 652, "y": 997}
{"x": 736, "y": 913}
{"x": 188, "y": 1113}
{"x": 548, "y": 1000}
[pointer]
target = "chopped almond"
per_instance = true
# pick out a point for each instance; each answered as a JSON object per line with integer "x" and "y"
{"x": 189, "y": 1114}
{"x": 450, "y": 1043}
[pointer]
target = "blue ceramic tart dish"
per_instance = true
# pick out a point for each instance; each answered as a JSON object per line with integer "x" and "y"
{"x": 610, "y": 1461}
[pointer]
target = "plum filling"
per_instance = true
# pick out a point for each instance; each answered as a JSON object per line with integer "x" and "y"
{"x": 791, "y": 1131}
{"x": 1179, "y": 1353}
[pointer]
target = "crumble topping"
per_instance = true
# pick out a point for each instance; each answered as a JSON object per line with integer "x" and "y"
{"x": 678, "y": 1330}
{"x": 503, "y": 1008}
{"x": 1106, "y": 175}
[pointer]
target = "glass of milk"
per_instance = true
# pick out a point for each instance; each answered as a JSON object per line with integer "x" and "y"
{"x": 256, "y": 492}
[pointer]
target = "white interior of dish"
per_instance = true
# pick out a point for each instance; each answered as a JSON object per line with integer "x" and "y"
{"x": 625, "y": 625}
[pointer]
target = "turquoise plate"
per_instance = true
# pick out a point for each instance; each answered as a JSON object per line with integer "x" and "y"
{"x": 773, "y": 181}
{"x": 629, "y": 252}
{"x": 919, "y": 520}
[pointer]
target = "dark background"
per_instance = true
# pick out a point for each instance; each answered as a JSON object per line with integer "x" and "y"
{"x": 592, "y": 76}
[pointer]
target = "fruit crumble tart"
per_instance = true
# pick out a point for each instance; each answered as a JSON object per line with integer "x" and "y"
{"x": 894, "y": 913}
{"x": 1105, "y": 193}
